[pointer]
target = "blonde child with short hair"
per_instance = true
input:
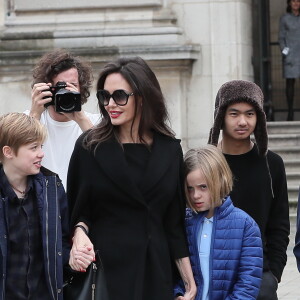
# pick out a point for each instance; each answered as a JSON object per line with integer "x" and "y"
{"x": 224, "y": 241}
{"x": 34, "y": 242}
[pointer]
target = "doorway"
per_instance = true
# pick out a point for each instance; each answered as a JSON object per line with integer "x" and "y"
{"x": 267, "y": 59}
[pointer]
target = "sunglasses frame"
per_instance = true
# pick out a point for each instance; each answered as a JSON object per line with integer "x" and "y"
{"x": 112, "y": 96}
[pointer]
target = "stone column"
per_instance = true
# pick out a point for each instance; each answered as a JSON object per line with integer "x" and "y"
{"x": 2, "y": 13}
{"x": 223, "y": 29}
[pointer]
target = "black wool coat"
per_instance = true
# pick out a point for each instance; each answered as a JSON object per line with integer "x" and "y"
{"x": 138, "y": 231}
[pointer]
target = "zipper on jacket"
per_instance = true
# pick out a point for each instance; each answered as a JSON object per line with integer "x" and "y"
{"x": 47, "y": 239}
{"x": 56, "y": 232}
{"x": 212, "y": 244}
{"x": 198, "y": 267}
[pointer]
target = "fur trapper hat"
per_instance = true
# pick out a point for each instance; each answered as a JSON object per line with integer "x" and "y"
{"x": 240, "y": 91}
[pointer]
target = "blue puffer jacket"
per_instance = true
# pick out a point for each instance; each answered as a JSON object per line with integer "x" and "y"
{"x": 53, "y": 213}
{"x": 236, "y": 256}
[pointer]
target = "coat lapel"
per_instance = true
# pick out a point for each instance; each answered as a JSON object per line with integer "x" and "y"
{"x": 163, "y": 153}
{"x": 110, "y": 156}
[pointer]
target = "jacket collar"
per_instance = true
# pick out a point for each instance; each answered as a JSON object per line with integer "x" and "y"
{"x": 110, "y": 156}
{"x": 220, "y": 212}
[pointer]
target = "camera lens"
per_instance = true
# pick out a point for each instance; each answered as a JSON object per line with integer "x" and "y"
{"x": 66, "y": 102}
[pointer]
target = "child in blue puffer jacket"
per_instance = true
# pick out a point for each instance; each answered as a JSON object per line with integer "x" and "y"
{"x": 224, "y": 241}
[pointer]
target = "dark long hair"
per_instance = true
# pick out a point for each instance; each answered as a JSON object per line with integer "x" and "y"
{"x": 144, "y": 85}
{"x": 289, "y": 7}
{"x": 59, "y": 60}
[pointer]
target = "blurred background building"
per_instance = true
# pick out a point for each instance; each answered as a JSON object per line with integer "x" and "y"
{"x": 193, "y": 46}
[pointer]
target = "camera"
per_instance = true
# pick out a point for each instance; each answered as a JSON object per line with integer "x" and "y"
{"x": 64, "y": 100}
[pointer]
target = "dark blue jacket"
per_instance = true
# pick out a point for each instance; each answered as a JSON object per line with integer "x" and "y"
{"x": 53, "y": 213}
{"x": 297, "y": 237}
{"x": 236, "y": 256}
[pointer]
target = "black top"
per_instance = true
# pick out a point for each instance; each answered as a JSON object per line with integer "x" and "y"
{"x": 137, "y": 157}
{"x": 260, "y": 189}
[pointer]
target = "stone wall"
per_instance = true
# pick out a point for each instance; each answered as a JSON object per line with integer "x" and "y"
{"x": 193, "y": 47}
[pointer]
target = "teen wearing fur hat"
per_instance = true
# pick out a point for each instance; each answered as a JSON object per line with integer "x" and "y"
{"x": 260, "y": 186}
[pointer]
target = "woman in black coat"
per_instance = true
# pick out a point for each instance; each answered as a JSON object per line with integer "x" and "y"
{"x": 125, "y": 189}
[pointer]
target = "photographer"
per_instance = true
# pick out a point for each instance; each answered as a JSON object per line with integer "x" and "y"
{"x": 55, "y": 72}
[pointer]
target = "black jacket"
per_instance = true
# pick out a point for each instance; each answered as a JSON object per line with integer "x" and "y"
{"x": 139, "y": 232}
{"x": 53, "y": 213}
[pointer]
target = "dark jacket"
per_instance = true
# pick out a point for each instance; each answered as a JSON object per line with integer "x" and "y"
{"x": 53, "y": 213}
{"x": 236, "y": 257}
{"x": 138, "y": 231}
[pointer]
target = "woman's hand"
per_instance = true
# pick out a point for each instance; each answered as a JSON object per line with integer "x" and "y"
{"x": 186, "y": 273}
{"x": 189, "y": 295}
{"x": 82, "y": 252}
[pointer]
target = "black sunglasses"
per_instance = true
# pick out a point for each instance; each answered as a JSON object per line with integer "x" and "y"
{"x": 120, "y": 97}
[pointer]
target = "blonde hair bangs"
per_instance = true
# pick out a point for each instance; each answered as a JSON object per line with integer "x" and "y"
{"x": 215, "y": 169}
{"x": 18, "y": 129}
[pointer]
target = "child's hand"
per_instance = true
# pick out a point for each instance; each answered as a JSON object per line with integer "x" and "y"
{"x": 82, "y": 252}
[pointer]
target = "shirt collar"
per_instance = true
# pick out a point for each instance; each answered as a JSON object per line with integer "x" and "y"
{"x": 209, "y": 220}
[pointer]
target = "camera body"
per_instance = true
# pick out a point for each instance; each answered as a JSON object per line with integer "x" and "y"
{"x": 64, "y": 100}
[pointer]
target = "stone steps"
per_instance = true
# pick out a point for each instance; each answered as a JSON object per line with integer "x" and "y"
{"x": 293, "y": 191}
{"x": 286, "y": 152}
{"x": 283, "y": 127}
{"x": 284, "y": 139}
{"x": 292, "y": 165}
{"x": 289, "y": 139}
{"x": 293, "y": 177}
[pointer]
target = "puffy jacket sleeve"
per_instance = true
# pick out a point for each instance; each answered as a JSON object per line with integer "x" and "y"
{"x": 250, "y": 266}
{"x": 178, "y": 289}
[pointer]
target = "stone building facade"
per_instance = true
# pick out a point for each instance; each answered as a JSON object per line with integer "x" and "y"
{"x": 193, "y": 46}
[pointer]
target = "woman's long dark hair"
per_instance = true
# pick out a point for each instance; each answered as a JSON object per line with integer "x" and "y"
{"x": 289, "y": 7}
{"x": 145, "y": 86}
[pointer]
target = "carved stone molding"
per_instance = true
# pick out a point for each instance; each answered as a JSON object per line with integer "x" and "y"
{"x": 37, "y": 5}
